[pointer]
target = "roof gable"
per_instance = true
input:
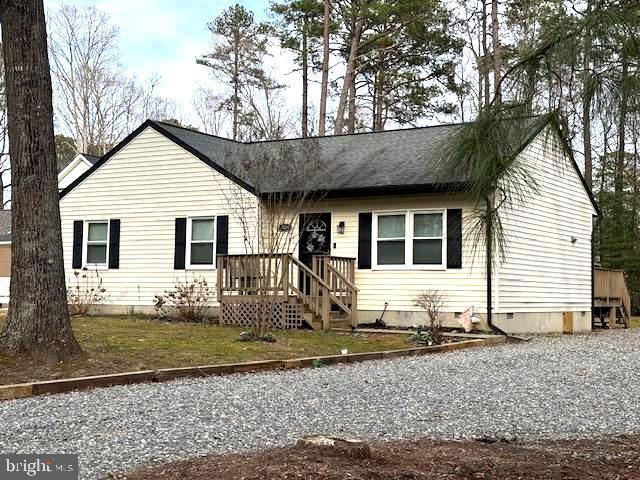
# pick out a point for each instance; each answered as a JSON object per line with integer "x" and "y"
{"x": 160, "y": 128}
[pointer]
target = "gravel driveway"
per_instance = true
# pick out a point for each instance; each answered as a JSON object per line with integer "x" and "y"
{"x": 561, "y": 387}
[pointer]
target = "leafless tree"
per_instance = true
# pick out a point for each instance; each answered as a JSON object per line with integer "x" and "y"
{"x": 211, "y": 111}
{"x": 266, "y": 116}
{"x": 96, "y": 102}
{"x": 87, "y": 76}
{"x": 38, "y": 318}
{"x": 152, "y": 105}
{"x": 284, "y": 175}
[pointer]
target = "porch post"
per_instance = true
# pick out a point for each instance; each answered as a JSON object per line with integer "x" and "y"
{"x": 326, "y": 309}
{"x": 354, "y": 308}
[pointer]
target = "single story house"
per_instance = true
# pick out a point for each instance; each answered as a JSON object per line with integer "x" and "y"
{"x": 171, "y": 204}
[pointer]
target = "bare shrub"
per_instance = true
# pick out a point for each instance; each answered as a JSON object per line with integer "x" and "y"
{"x": 284, "y": 177}
{"x": 87, "y": 291}
{"x": 432, "y": 302}
{"x": 187, "y": 302}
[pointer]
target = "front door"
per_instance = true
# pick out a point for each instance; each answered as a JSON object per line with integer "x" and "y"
{"x": 315, "y": 238}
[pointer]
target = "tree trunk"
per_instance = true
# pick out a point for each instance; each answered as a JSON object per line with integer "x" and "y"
{"x": 484, "y": 70}
{"x": 586, "y": 104}
{"x": 236, "y": 84}
{"x": 351, "y": 126}
{"x": 305, "y": 80}
{"x": 497, "y": 53}
{"x": 349, "y": 73}
{"x": 324, "y": 87}
{"x": 622, "y": 125}
{"x": 379, "y": 96}
{"x": 38, "y": 319}
{"x": 634, "y": 200}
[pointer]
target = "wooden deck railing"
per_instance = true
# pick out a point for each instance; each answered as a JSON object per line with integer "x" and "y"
{"x": 339, "y": 273}
{"x": 610, "y": 286}
{"x": 329, "y": 281}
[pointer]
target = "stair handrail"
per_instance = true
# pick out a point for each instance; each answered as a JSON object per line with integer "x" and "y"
{"x": 307, "y": 270}
{"x": 342, "y": 277}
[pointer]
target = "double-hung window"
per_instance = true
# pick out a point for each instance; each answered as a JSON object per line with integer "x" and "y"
{"x": 409, "y": 239}
{"x": 97, "y": 245}
{"x": 391, "y": 239}
{"x": 201, "y": 242}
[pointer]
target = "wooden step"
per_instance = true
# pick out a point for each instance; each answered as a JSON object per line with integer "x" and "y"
{"x": 333, "y": 323}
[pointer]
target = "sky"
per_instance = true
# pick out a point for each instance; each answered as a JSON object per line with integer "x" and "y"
{"x": 165, "y": 37}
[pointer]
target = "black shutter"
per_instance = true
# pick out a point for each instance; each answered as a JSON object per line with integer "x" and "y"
{"x": 222, "y": 235}
{"x": 181, "y": 244}
{"x": 78, "y": 227}
{"x": 454, "y": 238}
{"x": 114, "y": 243}
{"x": 364, "y": 240}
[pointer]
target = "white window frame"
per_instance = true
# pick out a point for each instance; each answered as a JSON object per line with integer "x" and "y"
{"x": 211, "y": 266}
{"x": 85, "y": 244}
{"x": 408, "y": 239}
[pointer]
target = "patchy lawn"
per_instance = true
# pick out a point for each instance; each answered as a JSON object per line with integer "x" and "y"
{"x": 635, "y": 322}
{"x": 598, "y": 459}
{"x": 122, "y": 344}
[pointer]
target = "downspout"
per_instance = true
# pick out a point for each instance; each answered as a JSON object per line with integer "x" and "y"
{"x": 594, "y": 228}
{"x": 489, "y": 263}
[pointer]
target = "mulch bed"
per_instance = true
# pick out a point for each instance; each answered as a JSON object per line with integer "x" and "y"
{"x": 607, "y": 458}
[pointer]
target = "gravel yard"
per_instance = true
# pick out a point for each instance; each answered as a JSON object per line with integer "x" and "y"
{"x": 560, "y": 387}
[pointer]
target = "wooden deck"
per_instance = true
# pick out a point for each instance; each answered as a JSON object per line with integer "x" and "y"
{"x": 286, "y": 293}
{"x": 611, "y": 299}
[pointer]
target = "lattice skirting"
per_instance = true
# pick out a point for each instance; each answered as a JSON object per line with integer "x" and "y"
{"x": 242, "y": 312}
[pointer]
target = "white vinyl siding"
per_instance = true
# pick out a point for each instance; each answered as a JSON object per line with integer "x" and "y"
{"x": 544, "y": 270}
{"x": 147, "y": 185}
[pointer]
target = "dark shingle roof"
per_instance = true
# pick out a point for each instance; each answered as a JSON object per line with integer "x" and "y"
{"x": 5, "y": 225}
{"x": 393, "y": 158}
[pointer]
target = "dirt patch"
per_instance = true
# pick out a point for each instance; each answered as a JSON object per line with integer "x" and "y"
{"x": 602, "y": 459}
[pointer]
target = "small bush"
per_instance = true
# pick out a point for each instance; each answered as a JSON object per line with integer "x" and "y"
{"x": 87, "y": 291}
{"x": 250, "y": 336}
{"x": 431, "y": 301}
{"x": 422, "y": 337}
{"x": 188, "y": 302}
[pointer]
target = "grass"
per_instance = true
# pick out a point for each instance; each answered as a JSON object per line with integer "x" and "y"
{"x": 121, "y": 344}
{"x": 635, "y": 322}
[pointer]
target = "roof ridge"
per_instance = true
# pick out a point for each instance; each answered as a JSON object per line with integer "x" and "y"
{"x": 257, "y": 142}
{"x": 193, "y": 130}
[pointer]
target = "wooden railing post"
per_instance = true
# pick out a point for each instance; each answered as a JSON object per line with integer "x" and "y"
{"x": 219, "y": 266}
{"x": 326, "y": 309}
{"x": 354, "y": 308}
{"x": 285, "y": 277}
{"x": 326, "y": 296}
